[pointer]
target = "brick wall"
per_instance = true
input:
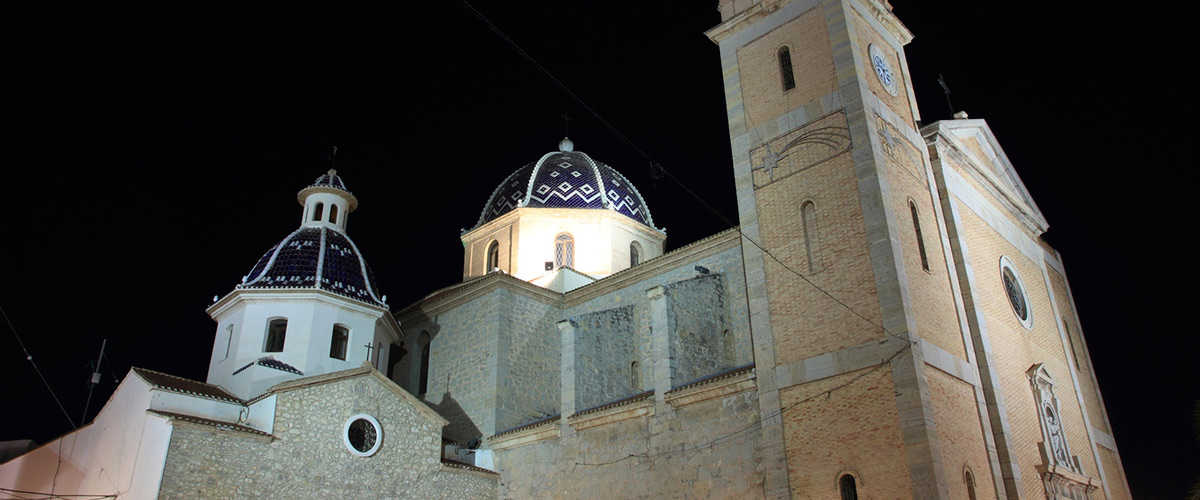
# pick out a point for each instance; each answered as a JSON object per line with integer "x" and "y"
{"x": 812, "y": 65}
{"x": 1015, "y": 349}
{"x": 805, "y": 321}
{"x": 960, "y": 434}
{"x": 854, "y": 429}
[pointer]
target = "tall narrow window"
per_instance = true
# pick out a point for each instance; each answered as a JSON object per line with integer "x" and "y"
{"x": 635, "y": 254}
{"x": 424, "y": 382}
{"x": 333, "y": 213}
{"x": 337, "y": 345}
{"x": 564, "y": 251}
{"x": 319, "y": 212}
{"x": 847, "y": 487}
{"x": 785, "y": 69}
{"x": 228, "y": 339}
{"x": 912, "y": 207}
{"x": 493, "y": 257}
{"x": 1071, "y": 344}
{"x": 635, "y": 376}
{"x": 970, "y": 480}
{"x": 276, "y": 330}
{"x": 808, "y": 217}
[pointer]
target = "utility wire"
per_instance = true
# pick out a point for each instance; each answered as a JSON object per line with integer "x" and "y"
{"x": 29, "y": 357}
{"x": 657, "y": 167}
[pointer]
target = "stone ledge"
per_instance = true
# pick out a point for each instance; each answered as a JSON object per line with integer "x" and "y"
{"x": 456, "y": 466}
{"x": 634, "y": 406}
{"x": 715, "y": 386}
{"x": 525, "y": 434}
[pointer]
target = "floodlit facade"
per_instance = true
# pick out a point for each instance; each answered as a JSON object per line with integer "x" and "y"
{"x": 885, "y": 322}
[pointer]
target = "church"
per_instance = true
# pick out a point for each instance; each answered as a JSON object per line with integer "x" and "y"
{"x": 884, "y": 321}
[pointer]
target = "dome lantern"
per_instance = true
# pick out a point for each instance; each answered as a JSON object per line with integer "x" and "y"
{"x": 327, "y": 202}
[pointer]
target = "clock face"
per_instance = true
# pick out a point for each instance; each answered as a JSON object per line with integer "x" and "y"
{"x": 883, "y": 70}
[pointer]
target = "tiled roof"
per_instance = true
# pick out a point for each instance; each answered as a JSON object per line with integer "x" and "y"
{"x": 330, "y": 179}
{"x": 270, "y": 362}
{"x": 184, "y": 386}
{"x": 209, "y": 422}
{"x": 296, "y": 261}
{"x": 567, "y": 179}
{"x": 465, "y": 466}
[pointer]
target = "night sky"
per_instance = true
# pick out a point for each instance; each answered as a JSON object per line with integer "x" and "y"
{"x": 156, "y": 155}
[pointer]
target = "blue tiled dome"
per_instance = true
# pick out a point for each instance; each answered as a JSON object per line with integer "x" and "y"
{"x": 309, "y": 252}
{"x": 567, "y": 179}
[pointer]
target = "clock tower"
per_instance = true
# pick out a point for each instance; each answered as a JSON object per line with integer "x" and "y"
{"x": 849, "y": 281}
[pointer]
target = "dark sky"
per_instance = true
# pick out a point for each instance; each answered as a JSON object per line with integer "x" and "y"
{"x": 156, "y": 154}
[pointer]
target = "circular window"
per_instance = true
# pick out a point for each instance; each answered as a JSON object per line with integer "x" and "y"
{"x": 362, "y": 435}
{"x": 1015, "y": 292}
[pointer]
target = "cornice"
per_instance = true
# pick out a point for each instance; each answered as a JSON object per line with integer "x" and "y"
{"x": 452, "y": 296}
{"x": 699, "y": 249}
{"x": 286, "y": 293}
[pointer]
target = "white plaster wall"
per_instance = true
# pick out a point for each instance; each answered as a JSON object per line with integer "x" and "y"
{"x": 311, "y": 318}
{"x": 539, "y": 227}
{"x": 602, "y": 240}
{"x": 261, "y": 414}
{"x": 121, "y": 452}
{"x": 329, "y": 199}
{"x": 191, "y": 405}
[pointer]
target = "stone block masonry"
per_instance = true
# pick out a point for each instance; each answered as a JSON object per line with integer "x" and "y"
{"x": 700, "y": 341}
{"x": 306, "y": 458}
{"x": 604, "y": 356}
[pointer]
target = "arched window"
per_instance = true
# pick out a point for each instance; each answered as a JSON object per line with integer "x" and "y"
{"x": 319, "y": 212}
{"x": 635, "y": 376}
{"x": 912, "y": 207}
{"x": 564, "y": 251}
{"x": 847, "y": 487}
{"x": 424, "y": 382}
{"x": 808, "y": 217}
{"x": 728, "y": 345}
{"x": 785, "y": 69}
{"x": 276, "y": 330}
{"x": 333, "y": 209}
{"x": 337, "y": 345}
{"x": 635, "y": 254}
{"x": 493, "y": 257}
{"x": 970, "y": 480}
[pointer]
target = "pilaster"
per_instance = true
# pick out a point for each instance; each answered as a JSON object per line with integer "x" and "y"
{"x": 566, "y": 331}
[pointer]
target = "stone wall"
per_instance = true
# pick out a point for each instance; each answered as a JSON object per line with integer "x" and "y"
{"x": 462, "y": 360}
{"x": 604, "y": 352}
{"x": 307, "y": 457}
{"x": 529, "y": 369}
{"x": 700, "y": 341}
{"x": 704, "y": 450}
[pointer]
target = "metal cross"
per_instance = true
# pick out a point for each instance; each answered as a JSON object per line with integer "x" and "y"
{"x": 369, "y": 348}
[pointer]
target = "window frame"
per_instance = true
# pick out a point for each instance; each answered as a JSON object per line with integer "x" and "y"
{"x": 283, "y": 335}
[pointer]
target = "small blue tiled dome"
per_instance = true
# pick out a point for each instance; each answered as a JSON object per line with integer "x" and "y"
{"x": 310, "y": 253}
{"x": 567, "y": 179}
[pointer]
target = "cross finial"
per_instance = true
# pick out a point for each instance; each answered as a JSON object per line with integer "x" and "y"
{"x": 369, "y": 348}
{"x": 566, "y": 125}
{"x": 946, "y": 88}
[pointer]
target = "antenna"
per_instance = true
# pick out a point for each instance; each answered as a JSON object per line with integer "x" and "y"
{"x": 946, "y": 88}
{"x": 94, "y": 380}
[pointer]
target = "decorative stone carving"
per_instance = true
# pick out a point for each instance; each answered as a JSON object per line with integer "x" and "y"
{"x": 1061, "y": 473}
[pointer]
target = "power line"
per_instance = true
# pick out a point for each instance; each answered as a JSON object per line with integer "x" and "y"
{"x": 29, "y": 357}
{"x": 657, "y": 167}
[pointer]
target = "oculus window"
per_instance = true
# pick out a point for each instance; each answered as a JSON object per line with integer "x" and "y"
{"x": 362, "y": 435}
{"x": 1016, "y": 292}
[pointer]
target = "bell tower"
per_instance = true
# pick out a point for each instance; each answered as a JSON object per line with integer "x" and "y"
{"x": 842, "y": 244}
